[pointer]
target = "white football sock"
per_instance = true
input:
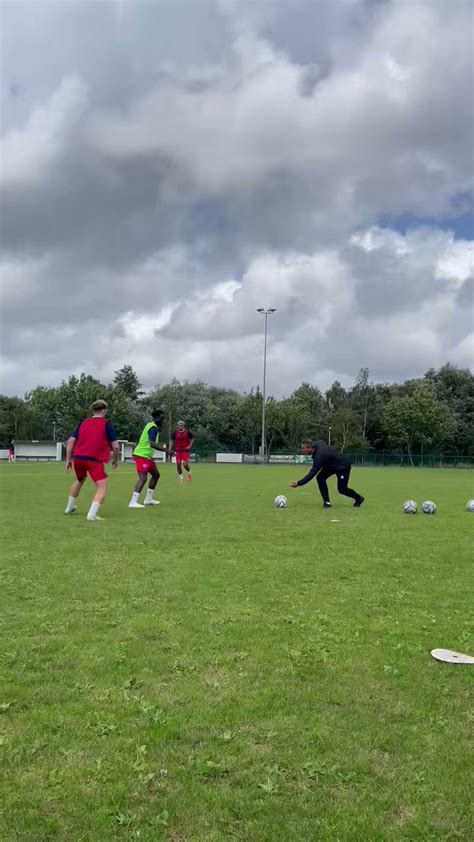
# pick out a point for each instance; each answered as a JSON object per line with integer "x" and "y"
{"x": 71, "y": 504}
{"x": 93, "y": 510}
{"x": 149, "y": 494}
{"x": 135, "y": 497}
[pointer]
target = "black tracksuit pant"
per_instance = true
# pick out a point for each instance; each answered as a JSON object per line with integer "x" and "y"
{"x": 342, "y": 480}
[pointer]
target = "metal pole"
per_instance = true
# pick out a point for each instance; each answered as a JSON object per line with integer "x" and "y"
{"x": 54, "y": 430}
{"x": 266, "y": 313}
{"x": 264, "y": 387}
{"x": 329, "y": 439}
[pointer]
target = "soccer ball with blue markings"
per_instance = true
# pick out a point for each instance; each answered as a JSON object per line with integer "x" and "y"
{"x": 470, "y": 505}
{"x": 281, "y": 502}
{"x": 428, "y": 507}
{"x": 410, "y": 507}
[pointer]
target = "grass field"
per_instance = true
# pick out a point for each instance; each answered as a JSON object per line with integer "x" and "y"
{"x": 213, "y": 668}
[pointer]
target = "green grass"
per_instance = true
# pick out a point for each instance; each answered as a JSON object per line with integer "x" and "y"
{"x": 214, "y": 668}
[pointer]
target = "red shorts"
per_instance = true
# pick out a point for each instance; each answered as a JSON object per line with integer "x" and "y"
{"x": 182, "y": 455}
{"x": 96, "y": 470}
{"x": 143, "y": 465}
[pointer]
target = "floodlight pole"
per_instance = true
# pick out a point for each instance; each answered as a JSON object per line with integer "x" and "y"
{"x": 265, "y": 313}
{"x": 329, "y": 438}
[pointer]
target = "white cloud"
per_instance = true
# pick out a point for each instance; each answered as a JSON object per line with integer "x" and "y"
{"x": 456, "y": 264}
{"x": 165, "y": 174}
{"x": 28, "y": 153}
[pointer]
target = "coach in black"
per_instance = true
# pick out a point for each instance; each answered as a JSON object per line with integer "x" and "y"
{"x": 326, "y": 462}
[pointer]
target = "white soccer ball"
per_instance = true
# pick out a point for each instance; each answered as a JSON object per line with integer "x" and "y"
{"x": 470, "y": 505}
{"x": 281, "y": 501}
{"x": 429, "y": 507}
{"x": 410, "y": 507}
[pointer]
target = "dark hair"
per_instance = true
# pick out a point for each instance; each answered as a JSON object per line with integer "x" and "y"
{"x": 309, "y": 442}
{"x": 157, "y": 413}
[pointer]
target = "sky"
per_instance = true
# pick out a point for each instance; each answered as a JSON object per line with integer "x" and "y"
{"x": 168, "y": 167}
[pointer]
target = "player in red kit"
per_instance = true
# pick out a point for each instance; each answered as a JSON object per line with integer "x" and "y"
{"x": 88, "y": 447}
{"x": 181, "y": 442}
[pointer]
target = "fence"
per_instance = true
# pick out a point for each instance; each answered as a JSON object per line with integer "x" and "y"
{"x": 356, "y": 457}
{"x": 49, "y": 451}
{"x": 419, "y": 460}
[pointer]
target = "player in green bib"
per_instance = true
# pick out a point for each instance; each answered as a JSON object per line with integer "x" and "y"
{"x": 144, "y": 461}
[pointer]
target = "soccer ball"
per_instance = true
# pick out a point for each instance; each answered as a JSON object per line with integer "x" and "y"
{"x": 429, "y": 507}
{"x": 281, "y": 501}
{"x": 410, "y": 507}
{"x": 470, "y": 505}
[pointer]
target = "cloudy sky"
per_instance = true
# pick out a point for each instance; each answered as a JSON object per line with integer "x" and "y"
{"x": 168, "y": 166}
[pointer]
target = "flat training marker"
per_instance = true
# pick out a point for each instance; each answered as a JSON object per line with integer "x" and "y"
{"x": 451, "y": 657}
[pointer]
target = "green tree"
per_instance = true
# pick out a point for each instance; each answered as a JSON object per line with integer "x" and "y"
{"x": 187, "y": 401}
{"x": 362, "y": 397}
{"x": 42, "y": 413}
{"x": 346, "y": 427}
{"x": 274, "y": 426}
{"x": 251, "y": 420}
{"x": 128, "y": 416}
{"x": 336, "y": 396}
{"x": 303, "y": 414}
{"x": 13, "y": 419}
{"x": 455, "y": 386}
{"x": 57, "y": 410}
{"x": 126, "y": 380}
{"x": 343, "y": 418}
{"x": 223, "y": 420}
{"x": 418, "y": 419}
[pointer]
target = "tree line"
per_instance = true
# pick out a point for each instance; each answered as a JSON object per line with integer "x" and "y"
{"x": 435, "y": 411}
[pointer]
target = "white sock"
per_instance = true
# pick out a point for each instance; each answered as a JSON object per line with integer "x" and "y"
{"x": 71, "y": 504}
{"x": 135, "y": 497}
{"x": 149, "y": 495}
{"x": 93, "y": 509}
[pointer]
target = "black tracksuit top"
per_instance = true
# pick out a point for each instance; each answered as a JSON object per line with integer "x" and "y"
{"x": 325, "y": 457}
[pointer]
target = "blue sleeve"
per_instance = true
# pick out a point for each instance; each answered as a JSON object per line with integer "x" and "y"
{"x": 75, "y": 432}
{"x": 152, "y": 434}
{"x": 110, "y": 432}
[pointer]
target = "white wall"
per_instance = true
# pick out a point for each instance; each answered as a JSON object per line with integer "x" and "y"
{"x": 35, "y": 449}
{"x": 229, "y": 457}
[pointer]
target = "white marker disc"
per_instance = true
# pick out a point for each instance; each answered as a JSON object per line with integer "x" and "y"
{"x": 451, "y": 657}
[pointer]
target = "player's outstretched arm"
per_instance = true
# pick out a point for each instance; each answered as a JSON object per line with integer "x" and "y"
{"x": 309, "y": 476}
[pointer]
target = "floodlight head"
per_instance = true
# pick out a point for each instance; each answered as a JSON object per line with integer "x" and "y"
{"x": 259, "y": 309}
{"x": 272, "y": 310}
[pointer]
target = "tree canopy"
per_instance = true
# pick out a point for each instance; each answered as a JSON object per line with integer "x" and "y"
{"x": 434, "y": 411}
